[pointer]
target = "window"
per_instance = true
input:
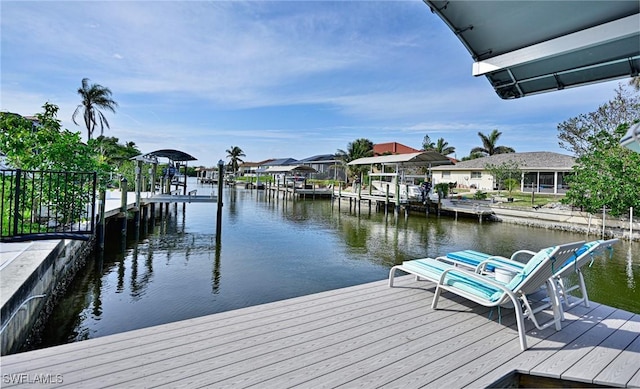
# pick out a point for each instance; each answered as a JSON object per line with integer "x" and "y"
{"x": 476, "y": 174}
{"x": 546, "y": 182}
{"x": 446, "y": 174}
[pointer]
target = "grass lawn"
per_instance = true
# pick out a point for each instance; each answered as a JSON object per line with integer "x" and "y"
{"x": 524, "y": 199}
{"x": 520, "y": 199}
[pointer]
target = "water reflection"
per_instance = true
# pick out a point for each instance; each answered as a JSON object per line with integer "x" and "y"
{"x": 276, "y": 249}
{"x": 631, "y": 283}
{"x": 215, "y": 276}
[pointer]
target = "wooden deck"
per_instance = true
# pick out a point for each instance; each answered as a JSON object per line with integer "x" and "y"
{"x": 364, "y": 336}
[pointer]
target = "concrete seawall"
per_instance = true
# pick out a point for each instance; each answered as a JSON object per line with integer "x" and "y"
{"x": 565, "y": 220}
{"x": 32, "y": 276}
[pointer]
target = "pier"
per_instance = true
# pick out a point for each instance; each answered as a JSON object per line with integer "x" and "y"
{"x": 309, "y": 191}
{"x": 379, "y": 201}
{"x": 367, "y": 335}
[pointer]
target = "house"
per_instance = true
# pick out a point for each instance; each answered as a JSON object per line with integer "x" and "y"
{"x": 279, "y": 162}
{"x": 542, "y": 172}
{"x": 392, "y": 148}
{"x": 326, "y": 165}
{"x": 250, "y": 168}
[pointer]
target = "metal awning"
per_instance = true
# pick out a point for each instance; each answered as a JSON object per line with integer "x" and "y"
{"x": 631, "y": 139}
{"x": 527, "y": 47}
{"x": 424, "y": 158}
{"x": 288, "y": 169}
{"x": 173, "y": 155}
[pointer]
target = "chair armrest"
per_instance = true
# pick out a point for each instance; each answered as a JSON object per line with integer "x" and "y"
{"x": 480, "y": 278}
{"x": 445, "y": 259}
{"x": 500, "y": 262}
{"x": 526, "y": 254}
{"x": 475, "y": 276}
{"x": 456, "y": 262}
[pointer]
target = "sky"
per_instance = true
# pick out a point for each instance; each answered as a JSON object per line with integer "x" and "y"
{"x": 279, "y": 79}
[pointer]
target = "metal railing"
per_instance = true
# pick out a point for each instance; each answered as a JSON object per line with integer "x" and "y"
{"x": 47, "y": 205}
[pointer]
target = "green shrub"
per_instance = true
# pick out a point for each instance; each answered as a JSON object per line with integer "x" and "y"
{"x": 480, "y": 195}
{"x": 442, "y": 189}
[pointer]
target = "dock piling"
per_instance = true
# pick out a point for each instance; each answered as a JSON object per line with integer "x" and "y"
{"x": 101, "y": 221}
{"x": 123, "y": 207}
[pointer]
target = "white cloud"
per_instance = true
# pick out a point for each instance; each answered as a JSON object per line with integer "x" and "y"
{"x": 267, "y": 75}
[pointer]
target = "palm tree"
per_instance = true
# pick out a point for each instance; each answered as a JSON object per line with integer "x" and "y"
{"x": 360, "y": 148}
{"x": 443, "y": 147}
{"x": 235, "y": 152}
{"x": 427, "y": 144}
{"x": 94, "y": 98}
{"x": 489, "y": 145}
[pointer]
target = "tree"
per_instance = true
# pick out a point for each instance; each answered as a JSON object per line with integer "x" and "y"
{"x": 607, "y": 175}
{"x": 360, "y": 148}
{"x": 115, "y": 153}
{"x": 575, "y": 133}
{"x": 504, "y": 174}
{"x": 473, "y": 156}
{"x": 441, "y": 146}
{"x": 117, "y": 156}
{"x": 427, "y": 144}
{"x": 235, "y": 152}
{"x": 489, "y": 145}
{"x": 94, "y": 98}
{"x": 44, "y": 145}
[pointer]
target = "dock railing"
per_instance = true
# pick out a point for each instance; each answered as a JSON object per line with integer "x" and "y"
{"x": 47, "y": 205}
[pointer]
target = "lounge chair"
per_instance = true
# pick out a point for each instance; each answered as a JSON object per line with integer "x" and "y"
{"x": 585, "y": 255}
{"x": 485, "y": 290}
{"x": 488, "y": 263}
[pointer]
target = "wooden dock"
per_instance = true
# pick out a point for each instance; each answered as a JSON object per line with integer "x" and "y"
{"x": 450, "y": 207}
{"x": 365, "y": 336}
{"x": 291, "y": 192}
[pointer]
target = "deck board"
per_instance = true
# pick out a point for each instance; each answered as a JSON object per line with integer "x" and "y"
{"x": 364, "y": 336}
{"x": 635, "y": 381}
{"x": 622, "y": 368}
{"x": 578, "y": 321}
{"x": 501, "y": 361}
{"x": 376, "y": 368}
{"x": 605, "y": 352}
{"x": 376, "y": 344}
{"x": 559, "y": 363}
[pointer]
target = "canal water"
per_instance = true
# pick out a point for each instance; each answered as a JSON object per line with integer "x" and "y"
{"x": 271, "y": 249}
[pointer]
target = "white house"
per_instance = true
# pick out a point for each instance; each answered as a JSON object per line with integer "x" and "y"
{"x": 542, "y": 172}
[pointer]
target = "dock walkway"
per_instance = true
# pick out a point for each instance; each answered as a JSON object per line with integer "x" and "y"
{"x": 365, "y": 336}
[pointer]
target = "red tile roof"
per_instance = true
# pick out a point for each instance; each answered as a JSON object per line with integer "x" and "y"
{"x": 393, "y": 148}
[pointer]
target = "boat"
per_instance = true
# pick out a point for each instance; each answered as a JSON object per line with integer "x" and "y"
{"x": 407, "y": 190}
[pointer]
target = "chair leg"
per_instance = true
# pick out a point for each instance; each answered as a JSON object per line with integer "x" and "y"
{"x": 520, "y": 323}
{"x": 436, "y": 296}
{"x": 583, "y": 289}
{"x": 560, "y": 294}
{"x": 392, "y": 274}
{"x": 556, "y": 306}
{"x": 553, "y": 303}
{"x": 571, "y": 301}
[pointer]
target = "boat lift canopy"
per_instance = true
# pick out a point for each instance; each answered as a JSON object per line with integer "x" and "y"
{"x": 528, "y": 47}
{"x": 423, "y": 158}
{"x": 173, "y": 155}
{"x": 288, "y": 169}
